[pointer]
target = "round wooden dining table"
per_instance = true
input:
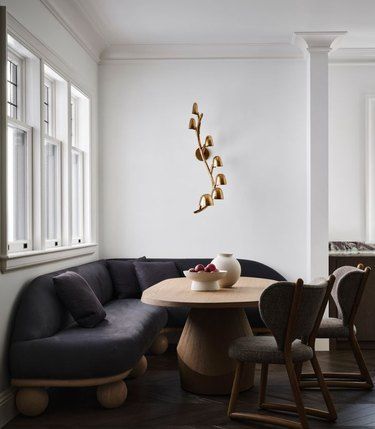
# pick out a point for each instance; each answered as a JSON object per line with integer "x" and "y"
{"x": 215, "y": 319}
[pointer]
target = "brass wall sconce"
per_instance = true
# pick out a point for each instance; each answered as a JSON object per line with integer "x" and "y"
{"x": 203, "y": 153}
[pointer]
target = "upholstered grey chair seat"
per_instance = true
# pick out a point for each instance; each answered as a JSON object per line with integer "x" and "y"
{"x": 114, "y": 346}
{"x": 331, "y": 327}
{"x": 264, "y": 350}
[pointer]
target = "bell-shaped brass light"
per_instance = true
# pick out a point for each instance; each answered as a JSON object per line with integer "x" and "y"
{"x": 220, "y": 179}
{"x": 192, "y": 124}
{"x": 217, "y": 194}
{"x": 195, "y": 110}
{"x": 209, "y": 141}
{"x": 217, "y": 161}
{"x": 205, "y": 201}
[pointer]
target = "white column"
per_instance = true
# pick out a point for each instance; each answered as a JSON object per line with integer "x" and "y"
{"x": 319, "y": 44}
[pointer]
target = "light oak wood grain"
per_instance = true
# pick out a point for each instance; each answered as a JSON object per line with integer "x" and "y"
{"x": 177, "y": 293}
{"x": 216, "y": 319}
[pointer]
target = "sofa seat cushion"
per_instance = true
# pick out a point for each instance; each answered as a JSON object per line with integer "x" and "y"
{"x": 113, "y": 346}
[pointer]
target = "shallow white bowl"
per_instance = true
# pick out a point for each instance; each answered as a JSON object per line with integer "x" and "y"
{"x": 202, "y": 281}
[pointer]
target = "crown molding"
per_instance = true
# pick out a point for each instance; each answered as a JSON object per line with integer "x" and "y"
{"x": 353, "y": 56}
{"x": 320, "y": 41}
{"x": 71, "y": 16}
{"x": 115, "y": 53}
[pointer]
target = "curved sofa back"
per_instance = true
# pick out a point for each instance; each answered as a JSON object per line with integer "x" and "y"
{"x": 248, "y": 268}
{"x": 40, "y": 313}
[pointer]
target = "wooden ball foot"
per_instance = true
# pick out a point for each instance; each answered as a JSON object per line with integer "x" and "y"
{"x": 160, "y": 345}
{"x": 112, "y": 395}
{"x": 31, "y": 401}
{"x": 139, "y": 369}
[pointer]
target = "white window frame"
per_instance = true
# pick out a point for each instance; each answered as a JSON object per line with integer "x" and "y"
{"x": 80, "y": 238}
{"x": 74, "y": 124}
{"x": 22, "y": 245}
{"x": 50, "y": 83}
{"x": 56, "y": 241}
{"x": 31, "y": 52}
{"x": 20, "y": 63}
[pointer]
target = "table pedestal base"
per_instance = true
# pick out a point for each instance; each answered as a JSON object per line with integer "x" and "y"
{"x": 204, "y": 364}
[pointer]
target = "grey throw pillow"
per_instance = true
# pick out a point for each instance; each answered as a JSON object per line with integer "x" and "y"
{"x": 79, "y": 299}
{"x": 150, "y": 273}
{"x": 124, "y": 278}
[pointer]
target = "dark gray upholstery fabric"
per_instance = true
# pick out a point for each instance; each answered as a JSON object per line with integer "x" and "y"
{"x": 333, "y": 328}
{"x": 114, "y": 346}
{"x": 124, "y": 278}
{"x": 79, "y": 299}
{"x": 150, "y": 273}
{"x": 254, "y": 317}
{"x": 275, "y": 304}
{"x": 177, "y": 316}
{"x": 264, "y": 349}
{"x": 345, "y": 288}
{"x": 40, "y": 312}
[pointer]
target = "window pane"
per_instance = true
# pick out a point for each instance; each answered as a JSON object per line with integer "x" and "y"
{"x": 17, "y": 184}
{"x": 51, "y": 184}
{"x": 12, "y": 89}
{"x": 77, "y": 195}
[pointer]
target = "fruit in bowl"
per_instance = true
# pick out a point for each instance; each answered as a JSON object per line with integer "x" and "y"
{"x": 209, "y": 268}
{"x": 205, "y": 279}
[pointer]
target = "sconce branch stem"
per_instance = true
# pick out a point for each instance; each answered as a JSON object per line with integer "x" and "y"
{"x": 198, "y": 131}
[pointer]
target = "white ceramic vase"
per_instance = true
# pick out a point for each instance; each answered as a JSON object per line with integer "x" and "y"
{"x": 227, "y": 262}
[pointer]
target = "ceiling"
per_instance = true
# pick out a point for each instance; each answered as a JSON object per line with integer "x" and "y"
{"x": 106, "y": 24}
{"x": 228, "y": 21}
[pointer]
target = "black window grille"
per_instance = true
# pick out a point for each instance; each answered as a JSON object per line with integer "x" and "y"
{"x": 12, "y": 83}
{"x": 46, "y": 103}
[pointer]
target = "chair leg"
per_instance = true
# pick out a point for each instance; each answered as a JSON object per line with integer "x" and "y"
{"x": 296, "y": 393}
{"x": 331, "y": 416}
{"x": 235, "y": 387}
{"x": 349, "y": 380}
{"x": 360, "y": 361}
{"x": 263, "y": 384}
{"x": 298, "y": 369}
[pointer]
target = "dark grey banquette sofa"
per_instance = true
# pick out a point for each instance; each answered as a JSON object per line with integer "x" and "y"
{"x": 49, "y": 349}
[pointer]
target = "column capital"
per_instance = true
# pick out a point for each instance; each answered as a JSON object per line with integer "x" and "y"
{"x": 320, "y": 41}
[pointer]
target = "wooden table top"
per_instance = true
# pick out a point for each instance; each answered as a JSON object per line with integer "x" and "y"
{"x": 177, "y": 293}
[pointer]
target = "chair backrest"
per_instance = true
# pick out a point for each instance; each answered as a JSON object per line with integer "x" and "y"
{"x": 294, "y": 310}
{"x": 347, "y": 291}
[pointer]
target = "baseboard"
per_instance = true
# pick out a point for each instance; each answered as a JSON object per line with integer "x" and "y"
{"x": 7, "y": 406}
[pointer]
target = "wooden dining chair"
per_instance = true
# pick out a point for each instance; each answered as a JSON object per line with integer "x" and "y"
{"x": 346, "y": 293}
{"x": 292, "y": 312}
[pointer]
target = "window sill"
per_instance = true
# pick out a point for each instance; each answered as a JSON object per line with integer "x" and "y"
{"x": 15, "y": 261}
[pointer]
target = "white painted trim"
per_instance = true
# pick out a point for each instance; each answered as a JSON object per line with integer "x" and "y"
{"x": 353, "y": 55}
{"x": 370, "y": 169}
{"x": 19, "y": 260}
{"x": 40, "y": 50}
{"x": 321, "y": 41}
{"x": 285, "y": 50}
{"x": 89, "y": 42}
{"x": 7, "y": 406}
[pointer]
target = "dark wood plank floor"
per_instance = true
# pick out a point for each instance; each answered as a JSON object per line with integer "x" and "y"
{"x": 157, "y": 401}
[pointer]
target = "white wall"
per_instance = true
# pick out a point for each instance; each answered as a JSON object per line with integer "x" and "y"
{"x": 32, "y": 14}
{"x": 151, "y": 183}
{"x": 349, "y": 85}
